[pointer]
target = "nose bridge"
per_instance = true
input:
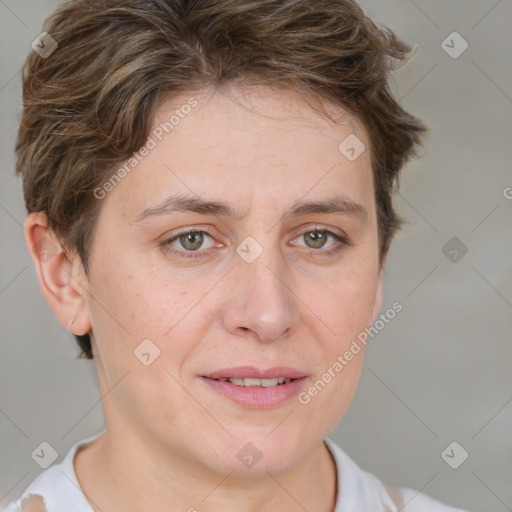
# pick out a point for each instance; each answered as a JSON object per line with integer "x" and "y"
{"x": 261, "y": 300}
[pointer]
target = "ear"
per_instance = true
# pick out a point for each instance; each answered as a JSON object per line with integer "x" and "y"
{"x": 378, "y": 293}
{"x": 62, "y": 278}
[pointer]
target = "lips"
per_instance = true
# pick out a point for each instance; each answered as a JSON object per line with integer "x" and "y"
{"x": 261, "y": 383}
{"x": 257, "y": 388}
{"x": 249, "y": 372}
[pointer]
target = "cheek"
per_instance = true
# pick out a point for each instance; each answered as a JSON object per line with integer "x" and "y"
{"x": 130, "y": 296}
{"x": 130, "y": 309}
{"x": 172, "y": 313}
{"x": 346, "y": 307}
{"x": 346, "y": 303}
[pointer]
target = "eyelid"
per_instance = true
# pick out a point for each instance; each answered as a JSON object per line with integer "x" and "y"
{"x": 183, "y": 254}
{"x": 321, "y": 227}
{"x": 196, "y": 229}
{"x": 341, "y": 241}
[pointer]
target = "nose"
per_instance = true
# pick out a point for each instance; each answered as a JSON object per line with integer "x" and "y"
{"x": 263, "y": 304}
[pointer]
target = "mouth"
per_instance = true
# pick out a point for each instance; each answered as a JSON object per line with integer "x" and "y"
{"x": 256, "y": 383}
{"x": 250, "y": 376}
{"x": 256, "y": 389}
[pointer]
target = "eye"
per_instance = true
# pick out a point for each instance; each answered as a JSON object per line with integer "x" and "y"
{"x": 191, "y": 241}
{"x": 317, "y": 238}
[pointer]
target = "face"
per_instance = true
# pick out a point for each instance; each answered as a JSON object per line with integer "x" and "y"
{"x": 210, "y": 261}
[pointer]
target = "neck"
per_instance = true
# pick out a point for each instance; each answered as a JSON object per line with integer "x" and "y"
{"x": 117, "y": 472}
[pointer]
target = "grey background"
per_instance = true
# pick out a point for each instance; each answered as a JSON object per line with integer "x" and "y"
{"x": 439, "y": 372}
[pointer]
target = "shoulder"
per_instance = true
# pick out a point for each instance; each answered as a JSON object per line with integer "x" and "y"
{"x": 364, "y": 491}
{"x": 56, "y": 489}
{"x": 409, "y": 500}
{"x": 31, "y": 503}
{"x": 35, "y": 497}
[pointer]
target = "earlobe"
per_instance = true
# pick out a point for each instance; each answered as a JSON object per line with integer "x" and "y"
{"x": 60, "y": 276}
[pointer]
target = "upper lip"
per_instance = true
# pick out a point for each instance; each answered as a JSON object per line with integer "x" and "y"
{"x": 247, "y": 372}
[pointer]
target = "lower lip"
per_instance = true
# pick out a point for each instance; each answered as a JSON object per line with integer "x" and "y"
{"x": 257, "y": 397}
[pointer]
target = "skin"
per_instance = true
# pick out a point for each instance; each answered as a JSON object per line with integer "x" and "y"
{"x": 170, "y": 438}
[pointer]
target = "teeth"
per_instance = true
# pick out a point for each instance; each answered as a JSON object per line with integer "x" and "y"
{"x": 265, "y": 383}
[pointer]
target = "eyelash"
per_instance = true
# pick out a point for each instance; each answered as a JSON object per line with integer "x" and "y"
{"x": 342, "y": 242}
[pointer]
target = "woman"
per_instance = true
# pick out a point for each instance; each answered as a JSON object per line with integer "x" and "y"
{"x": 209, "y": 187}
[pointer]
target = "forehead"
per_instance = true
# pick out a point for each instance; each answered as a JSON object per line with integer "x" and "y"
{"x": 264, "y": 145}
{"x": 256, "y": 110}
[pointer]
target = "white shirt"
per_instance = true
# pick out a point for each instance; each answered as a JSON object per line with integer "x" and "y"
{"x": 358, "y": 491}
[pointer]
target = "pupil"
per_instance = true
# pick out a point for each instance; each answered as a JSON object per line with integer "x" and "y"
{"x": 192, "y": 240}
{"x": 317, "y": 237}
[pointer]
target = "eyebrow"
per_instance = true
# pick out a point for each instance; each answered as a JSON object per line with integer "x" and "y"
{"x": 182, "y": 203}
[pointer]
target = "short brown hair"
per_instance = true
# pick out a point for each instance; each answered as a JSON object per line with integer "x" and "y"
{"x": 90, "y": 105}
